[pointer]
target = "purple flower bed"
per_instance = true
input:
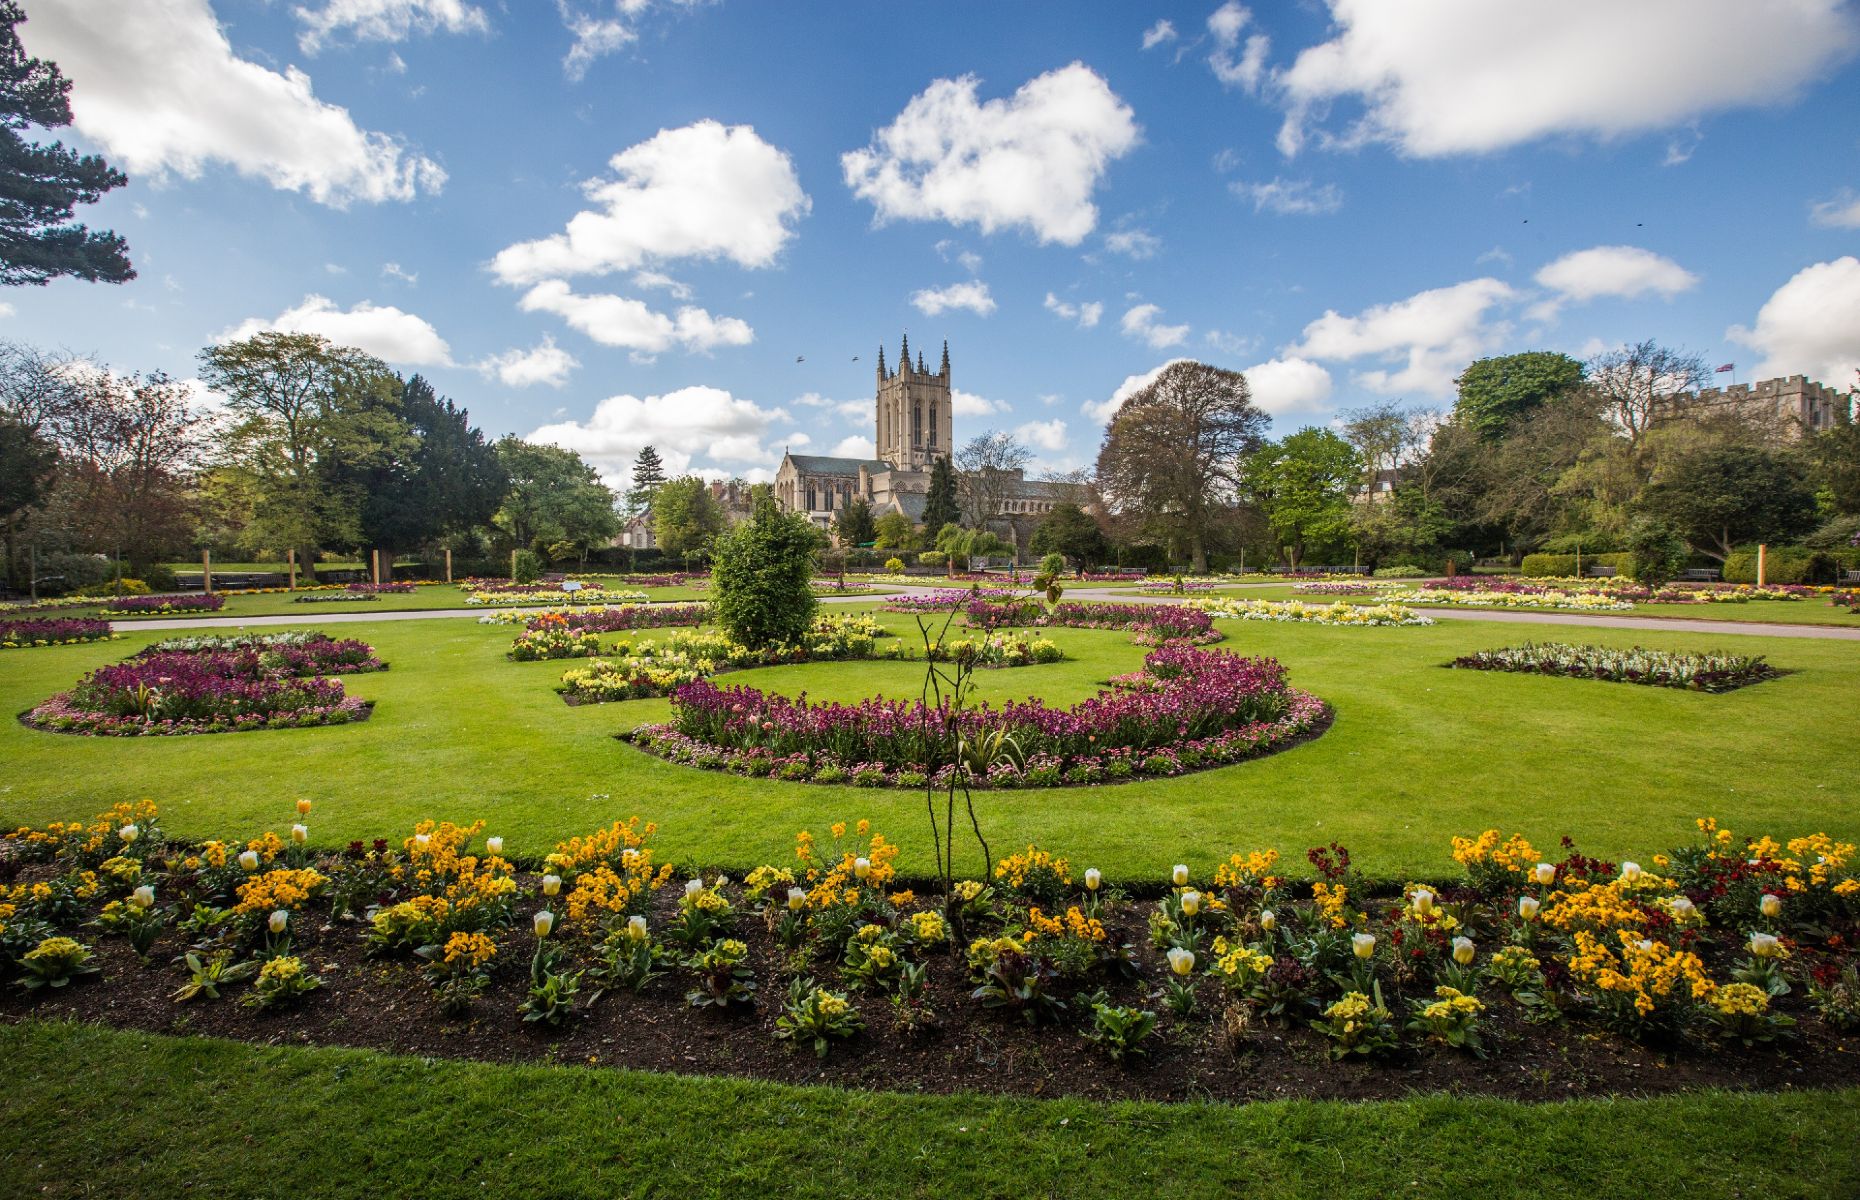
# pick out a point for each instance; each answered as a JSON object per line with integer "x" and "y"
{"x": 632, "y": 616}
{"x": 948, "y": 598}
{"x": 225, "y": 690}
{"x": 379, "y": 589}
{"x": 53, "y": 631}
{"x": 160, "y": 604}
{"x": 1188, "y": 709}
{"x": 1151, "y": 623}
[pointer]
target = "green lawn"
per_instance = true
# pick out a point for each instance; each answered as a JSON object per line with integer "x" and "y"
{"x": 95, "y": 1112}
{"x": 1417, "y": 755}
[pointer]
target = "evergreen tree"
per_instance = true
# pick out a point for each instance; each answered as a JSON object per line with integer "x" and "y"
{"x": 41, "y": 186}
{"x": 448, "y": 482}
{"x": 941, "y": 507}
{"x": 648, "y": 478}
{"x": 761, "y": 578}
{"x": 1496, "y": 393}
{"x": 854, "y": 524}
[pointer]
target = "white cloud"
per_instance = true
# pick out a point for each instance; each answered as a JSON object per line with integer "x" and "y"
{"x": 1157, "y": 34}
{"x": 1140, "y": 322}
{"x": 1810, "y": 325}
{"x": 1840, "y": 211}
{"x": 543, "y": 363}
{"x": 158, "y": 88}
{"x": 1049, "y": 436}
{"x": 972, "y": 295}
{"x": 686, "y": 425}
{"x": 595, "y": 38}
{"x": 1229, "y": 343}
{"x": 703, "y": 191}
{"x": 1246, "y": 68}
{"x": 1427, "y": 338}
{"x": 855, "y": 446}
{"x": 658, "y": 279}
{"x": 1469, "y": 76}
{"x": 1137, "y": 243}
{"x": 968, "y": 404}
{"x": 796, "y": 440}
{"x": 383, "y": 331}
{"x": 1624, "y": 271}
{"x": 394, "y": 270}
{"x": 1087, "y": 314}
{"x": 622, "y": 321}
{"x": 813, "y": 400}
{"x": 1031, "y": 161}
{"x": 1290, "y": 197}
{"x": 6, "y": 310}
{"x": 1104, "y": 410}
{"x": 384, "y": 20}
{"x": 1287, "y": 385}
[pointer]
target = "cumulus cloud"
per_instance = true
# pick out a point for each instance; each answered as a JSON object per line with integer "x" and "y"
{"x": 382, "y": 330}
{"x": 855, "y": 446}
{"x": 623, "y": 321}
{"x": 384, "y": 20}
{"x": 1049, "y": 436}
{"x": 1840, "y": 211}
{"x": 1234, "y": 65}
{"x": 1030, "y": 161}
{"x": 597, "y": 36}
{"x": 685, "y": 425}
{"x": 1290, "y": 197}
{"x": 1810, "y": 325}
{"x": 704, "y": 191}
{"x": 972, "y": 295}
{"x": 1288, "y": 385}
{"x": 1087, "y": 314}
{"x": 968, "y": 404}
{"x": 659, "y": 280}
{"x": 1104, "y": 410}
{"x": 1424, "y": 341}
{"x": 1157, "y": 34}
{"x": 1467, "y": 76}
{"x": 544, "y": 362}
{"x": 1136, "y": 243}
{"x": 1140, "y": 322}
{"x": 1624, "y": 271}
{"x": 160, "y": 91}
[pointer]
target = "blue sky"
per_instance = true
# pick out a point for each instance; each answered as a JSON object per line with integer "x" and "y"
{"x": 609, "y": 223}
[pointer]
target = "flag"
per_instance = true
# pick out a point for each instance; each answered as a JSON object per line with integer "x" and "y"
{"x": 1726, "y": 367}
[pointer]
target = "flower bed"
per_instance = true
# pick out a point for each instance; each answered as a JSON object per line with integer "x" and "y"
{"x": 1318, "y": 614}
{"x": 379, "y": 589}
{"x": 552, "y": 595}
{"x": 164, "y": 605}
{"x": 1712, "y": 672}
{"x": 1546, "y": 598}
{"x": 344, "y": 597}
{"x": 947, "y": 599}
{"x": 1186, "y": 710}
{"x": 569, "y": 634}
{"x": 1176, "y": 587}
{"x": 214, "y": 686}
{"x": 996, "y": 650}
{"x": 1148, "y": 624}
{"x": 53, "y": 631}
{"x": 1364, "y": 587}
{"x": 647, "y": 668}
{"x": 1732, "y": 963}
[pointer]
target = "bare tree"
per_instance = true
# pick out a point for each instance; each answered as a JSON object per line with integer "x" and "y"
{"x": 1383, "y": 433}
{"x": 987, "y": 468}
{"x": 1635, "y": 382}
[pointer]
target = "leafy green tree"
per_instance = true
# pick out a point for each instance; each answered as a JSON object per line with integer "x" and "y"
{"x": 1656, "y": 554}
{"x": 941, "y": 505}
{"x": 962, "y": 546}
{"x": 1722, "y": 496}
{"x": 309, "y": 416}
{"x": 1069, "y": 530}
{"x": 1172, "y": 453}
{"x": 448, "y": 481}
{"x": 1302, "y": 486}
{"x": 894, "y": 531}
{"x": 1496, "y": 392}
{"x": 41, "y": 186}
{"x": 648, "y": 477}
{"x": 1835, "y": 454}
{"x": 554, "y": 497}
{"x": 28, "y": 464}
{"x": 685, "y": 516}
{"x": 761, "y": 576}
{"x": 854, "y": 525}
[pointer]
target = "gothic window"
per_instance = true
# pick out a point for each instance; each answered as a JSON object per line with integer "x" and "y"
{"x": 917, "y": 425}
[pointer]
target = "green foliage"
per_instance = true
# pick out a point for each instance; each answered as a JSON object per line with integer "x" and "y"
{"x": 648, "y": 477}
{"x": 28, "y": 464}
{"x": 685, "y": 516}
{"x": 818, "y": 1015}
{"x": 1302, "y": 485}
{"x": 1563, "y": 566}
{"x": 1120, "y": 1031}
{"x": 894, "y": 531}
{"x": 1723, "y": 496}
{"x": 1402, "y": 571}
{"x": 1785, "y": 564}
{"x": 448, "y": 482}
{"x": 1655, "y": 555}
{"x": 1495, "y": 393}
{"x": 854, "y": 524}
{"x": 206, "y": 975}
{"x": 760, "y": 578}
{"x": 554, "y": 496}
{"x": 941, "y": 506}
{"x": 525, "y": 567}
{"x": 1069, "y": 530}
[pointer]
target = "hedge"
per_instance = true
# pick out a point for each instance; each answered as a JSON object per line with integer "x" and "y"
{"x": 1791, "y": 564}
{"x": 1564, "y": 565}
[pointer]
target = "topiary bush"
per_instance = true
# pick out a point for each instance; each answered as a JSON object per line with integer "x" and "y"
{"x": 894, "y": 565}
{"x": 1403, "y": 571}
{"x": 760, "y": 578}
{"x": 525, "y": 567}
{"x": 1655, "y": 554}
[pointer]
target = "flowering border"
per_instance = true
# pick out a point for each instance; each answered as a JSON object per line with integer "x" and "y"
{"x": 1710, "y": 672}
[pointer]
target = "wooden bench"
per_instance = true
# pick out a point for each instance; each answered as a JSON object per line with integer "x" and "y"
{"x": 1699, "y": 575}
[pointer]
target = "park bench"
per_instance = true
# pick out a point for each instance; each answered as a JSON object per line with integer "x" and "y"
{"x": 1699, "y": 575}
{"x": 1599, "y": 571}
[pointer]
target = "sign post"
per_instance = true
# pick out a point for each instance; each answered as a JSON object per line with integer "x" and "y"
{"x": 448, "y": 564}
{"x": 290, "y": 562}
{"x": 206, "y": 571}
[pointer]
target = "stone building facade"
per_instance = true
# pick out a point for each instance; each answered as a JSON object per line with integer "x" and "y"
{"x": 1791, "y": 406}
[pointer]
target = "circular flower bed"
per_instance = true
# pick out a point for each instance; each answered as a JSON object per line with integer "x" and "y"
{"x": 214, "y": 685}
{"x": 1148, "y": 624}
{"x": 643, "y": 669}
{"x": 53, "y": 631}
{"x": 1186, "y": 709}
{"x": 567, "y": 634}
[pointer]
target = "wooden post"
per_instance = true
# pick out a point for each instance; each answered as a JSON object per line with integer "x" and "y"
{"x": 374, "y": 565}
{"x": 513, "y": 566}
{"x": 206, "y": 571}
{"x": 1762, "y": 554}
{"x": 290, "y": 562}
{"x": 448, "y": 564}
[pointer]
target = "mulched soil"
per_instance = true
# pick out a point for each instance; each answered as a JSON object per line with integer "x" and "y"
{"x": 385, "y": 1004}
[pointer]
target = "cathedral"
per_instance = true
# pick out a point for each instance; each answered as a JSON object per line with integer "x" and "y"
{"x": 913, "y": 426}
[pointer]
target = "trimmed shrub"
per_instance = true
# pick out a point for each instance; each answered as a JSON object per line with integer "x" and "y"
{"x": 1655, "y": 554}
{"x": 1399, "y": 572}
{"x": 932, "y": 558}
{"x": 525, "y": 567}
{"x": 1791, "y": 564}
{"x": 1563, "y": 566}
{"x": 761, "y": 583}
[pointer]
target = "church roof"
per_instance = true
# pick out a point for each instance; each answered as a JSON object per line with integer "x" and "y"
{"x": 822, "y": 464}
{"x": 1046, "y": 489}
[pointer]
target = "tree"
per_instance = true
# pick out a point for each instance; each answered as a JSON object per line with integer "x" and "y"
{"x": 129, "y": 441}
{"x": 1069, "y": 530}
{"x": 1302, "y": 485}
{"x": 854, "y": 525}
{"x": 988, "y": 466}
{"x": 448, "y": 482}
{"x": 1634, "y": 382}
{"x": 1723, "y": 496}
{"x": 308, "y": 417}
{"x": 28, "y": 464}
{"x": 1172, "y": 453}
{"x": 962, "y": 546}
{"x": 1495, "y": 393}
{"x": 940, "y": 505}
{"x": 761, "y": 578}
{"x": 1835, "y": 455}
{"x": 685, "y": 516}
{"x": 894, "y": 531}
{"x": 648, "y": 476}
{"x": 41, "y": 186}
{"x": 554, "y": 497}
{"x": 1384, "y": 434}
{"x": 1655, "y": 553}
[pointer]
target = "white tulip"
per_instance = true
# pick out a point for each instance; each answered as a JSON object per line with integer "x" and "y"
{"x": 1463, "y": 951}
{"x": 494, "y": 845}
{"x": 1092, "y": 879}
{"x": 1682, "y": 908}
{"x": 1527, "y": 907}
{"x": 1191, "y": 903}
{"x": 1423, "y": 903}
{"x": 280, "y": 920}
{"x": 143, "y": 896}
{"x": 128, "y": 833}
{"x": 422, "y": 839}
{"x": 542, "y": 923}
{"x": 1363, "y": 945}
{"x": 249, "y": 860}
{"x": 797, "y": 899}
{"x": 693, "y": 886}
{"x": 1770, "y": 905}
{"x": 628, "y": 855}
{"x": 1544, "y": 873}
{"x": 1180, "y": 874}
{"x": 300, "y": 834}
{"x": 1764, "y": 945}
{"x": 1630, "y": 872}
{"x": 636, "y": 928}
{"x": 552, "y": 885}
{"x": 862, "y": 867}
{"x": 1181, "y": 961}
{"x": 1268, "y": 920}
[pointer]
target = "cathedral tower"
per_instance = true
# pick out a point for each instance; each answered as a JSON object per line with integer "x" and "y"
{"x": 915, "y": 415}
